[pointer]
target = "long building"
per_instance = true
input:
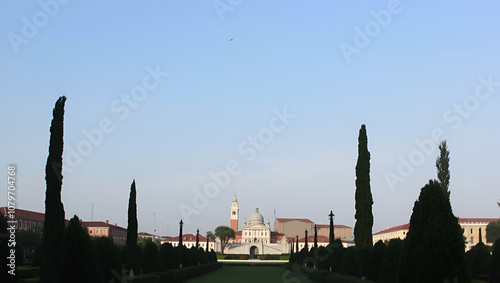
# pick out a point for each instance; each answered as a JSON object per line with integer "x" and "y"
{"x": 472, "y": 227}
{"x": 31, "y": 220}
{"x": 189, "y": 240}
{"x": 104, "y": 229}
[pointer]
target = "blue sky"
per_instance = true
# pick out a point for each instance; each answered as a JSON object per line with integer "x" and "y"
{"x": 418, "y": 68}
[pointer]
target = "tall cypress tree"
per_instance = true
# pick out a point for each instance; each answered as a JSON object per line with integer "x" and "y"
{"x": 434, "y": 246}
{"x": 53, "y": 226}
{"x": 132, "y": 231}
{"x": 443, "y": 166}
{"x": 364, "y": 200}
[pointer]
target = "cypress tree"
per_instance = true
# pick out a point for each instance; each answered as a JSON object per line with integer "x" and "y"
{"x": 364, "y": 201}
{"x": 53, "y": 226}
{"x": 332, "y": 228}
{"x": 375, "y": 261}
{"x": 79, "y": 256}
{"x": 108, "y": 254}
{"x": 434, "y": 246}
{"x": 151, "y": 259}
{"x": 390, "y": 262}
{"x": 443, "y": 166}
{"x": 132, "y": 231}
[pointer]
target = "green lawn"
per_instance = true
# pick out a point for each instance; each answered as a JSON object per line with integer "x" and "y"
{"x": 250, "y": 274}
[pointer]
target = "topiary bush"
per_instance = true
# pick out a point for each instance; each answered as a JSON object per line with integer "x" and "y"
{"x": 390, "y": 262}
{"x": 337, "y": 255}
{"x": 79, "y": 257}
{"x": 434, "y": 245}
{"x": 169, "y": 256}
{"x": 348, "y": 265}
{"x": 151, "y": 260}
{"x": 362, "y": 257}
{"x": 108, "y": 257}
{"x": 375, "y": 261}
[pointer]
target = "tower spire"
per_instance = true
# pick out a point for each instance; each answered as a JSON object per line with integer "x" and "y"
{"x": 235, "y": 211}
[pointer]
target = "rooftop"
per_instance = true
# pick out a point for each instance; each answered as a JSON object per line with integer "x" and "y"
{"x": 327, "y": 226}
{"x": 284, "y": 220}
{"x": 24, "y": 214}
{"x": 100, "y": 224}
{"x": 187, "y": 238}
{"x": 395, "y": 228}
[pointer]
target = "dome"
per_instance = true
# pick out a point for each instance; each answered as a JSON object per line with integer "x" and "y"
{"x": 256, "y": 218}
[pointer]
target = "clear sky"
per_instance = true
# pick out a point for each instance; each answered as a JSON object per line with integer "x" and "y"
{"x": 172, "y": 93}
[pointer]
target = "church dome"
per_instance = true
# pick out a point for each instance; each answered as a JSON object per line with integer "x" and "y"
{"x": 256, "y": 218}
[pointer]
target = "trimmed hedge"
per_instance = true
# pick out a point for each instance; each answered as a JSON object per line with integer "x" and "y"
{"x": 323, "y": 276}
{"x": 315, "y": 274}
{"x": 25, "y": 272}
{"x": 176, "y": 275}
{"x": 145, "y": 278}
{"x": 337, "y": 278}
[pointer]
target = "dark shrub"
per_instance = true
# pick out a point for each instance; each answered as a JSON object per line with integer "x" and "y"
{"x": 169, "y": 256}
{"x": 79, "y": 257}
{"x": 495, "y": 263}
{"x": 362, "y": 257}
{"x": 348, "y": 265}
{"x": 108, "y": 255}
{"x": 375, "y": 261}
{"x": 390, "y": 262}
{"x": 151, "y": 261}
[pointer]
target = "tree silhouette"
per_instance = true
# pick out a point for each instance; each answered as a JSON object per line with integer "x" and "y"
{"x": 224, "y": 233}
{"x": 79, "y": 258}
{"x": 53, "y": 226}
{"x": 132, "y": 231}
{"x": 434, "y": 246}
{"x": 443, "y": 166}
{"x": 493, "y": 231}
{"x": 363, "y": 196}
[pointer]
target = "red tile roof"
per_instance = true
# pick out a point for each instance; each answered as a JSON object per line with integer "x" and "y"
{"x": 335, "y": 226}
{"x": 100, "y": 224}
{"x": 460, "y": 221}
{"x": 25, "y": 214}
{"x": 476, "y": 220}
{"x": 395, "y": 228}
{"x": 310, "y": 239}
{"x": 284, "y": 220}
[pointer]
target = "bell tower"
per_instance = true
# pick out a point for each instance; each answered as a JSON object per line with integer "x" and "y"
{"x": 235, "y": 211}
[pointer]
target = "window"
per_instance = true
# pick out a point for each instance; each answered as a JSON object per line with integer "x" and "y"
{"x": 97, "y": 231}
{"x": 90, "y": 231}
{"x": 471, "y": 231}
{"x": 472, "y": 240}
{"x": 234, "y": 212}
